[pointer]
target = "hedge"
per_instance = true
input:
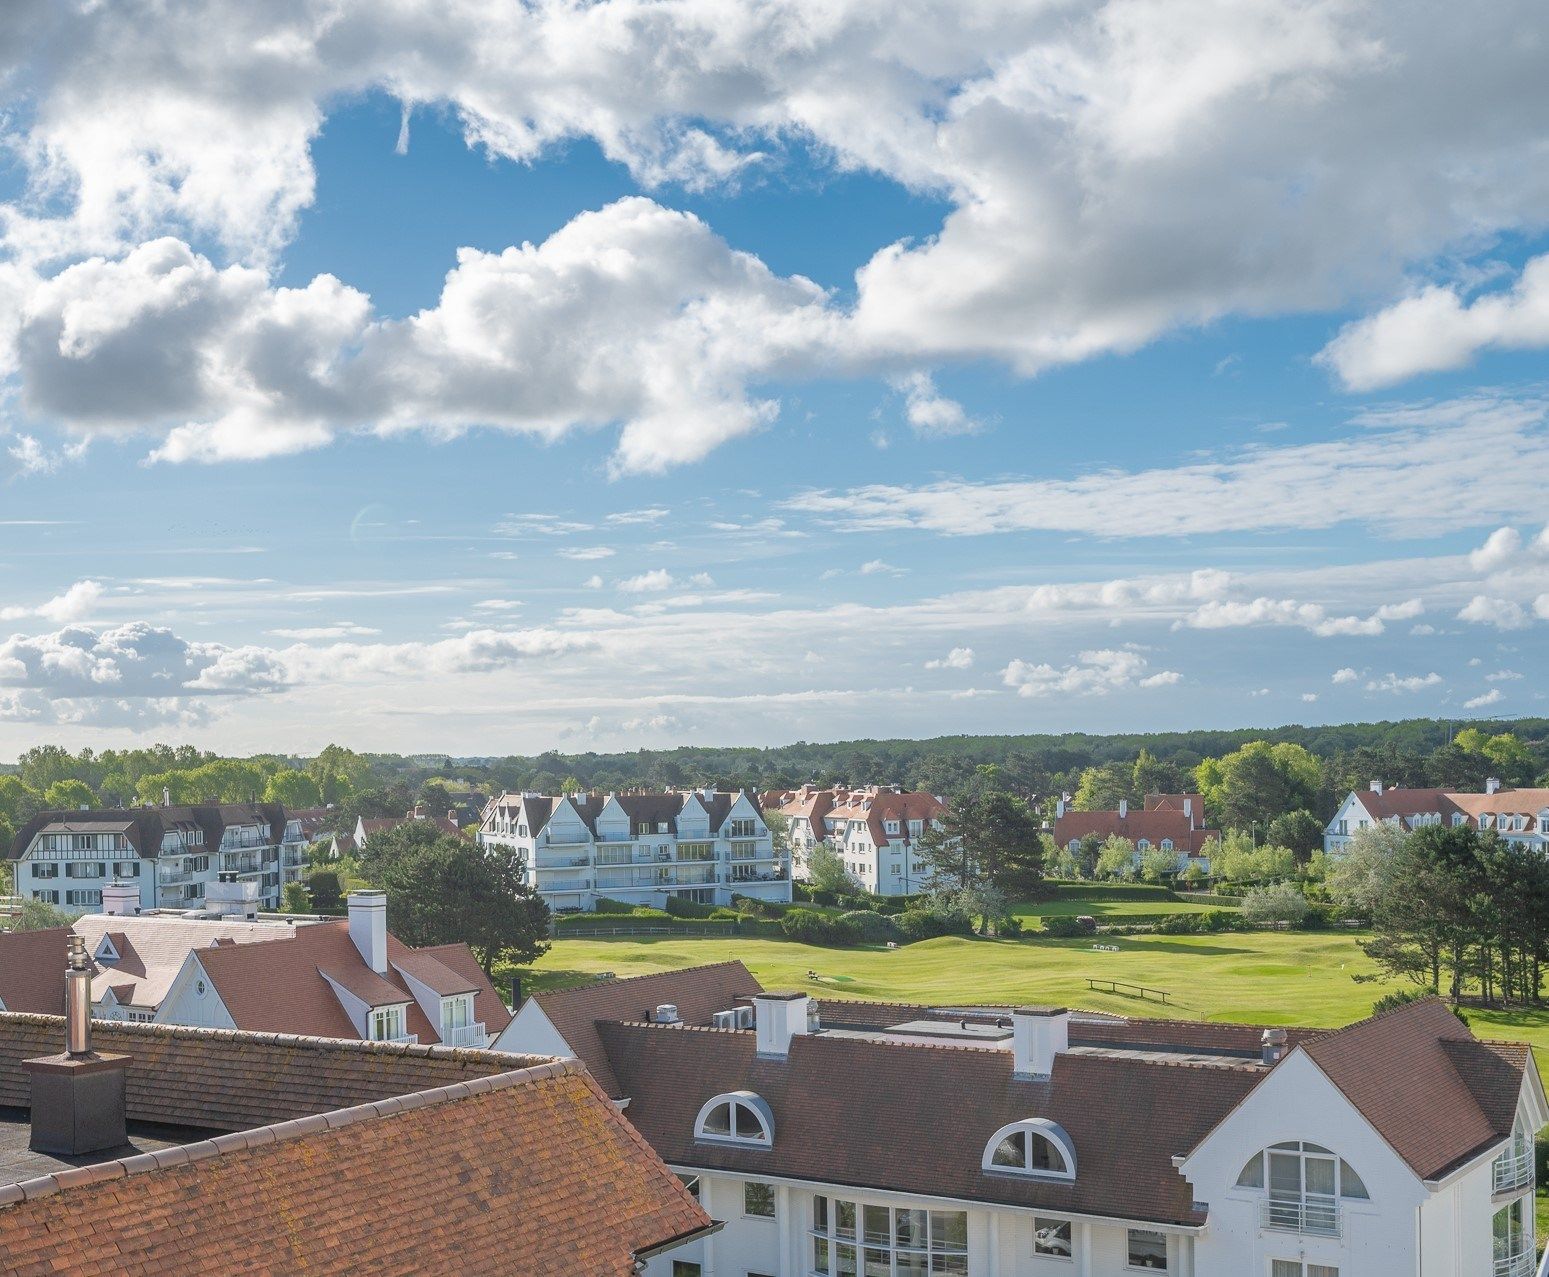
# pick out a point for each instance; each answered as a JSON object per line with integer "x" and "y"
{"x": 873, "y": 928}
{"x": 809, "y": 927}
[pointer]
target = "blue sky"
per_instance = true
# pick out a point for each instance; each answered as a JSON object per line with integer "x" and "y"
{"x": 821, "y": 404}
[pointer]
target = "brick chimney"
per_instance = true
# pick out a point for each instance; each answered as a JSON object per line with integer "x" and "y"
{"x": 77, "y": 1096}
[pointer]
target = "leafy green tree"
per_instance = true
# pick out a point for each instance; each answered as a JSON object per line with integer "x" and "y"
{"x": 326, "y": 890}
{"x": 987, "y": 837}
{"x": 1236, "y": 859}
{"x": 1102, "y": 787}
{"x": 826, "y": 871}
{"x": 294, "y": 899}
{"x": 1156, "y": 864}
{"x": 1365, "y": 872}
{"x": 35, "y": 915}
{"x": 1258, "y": 782}
{"x": 1116, "y": 858}
{"x": 69, "y": 795}
{"x": 1278, "y": 902}
{"x": 19, "y": 801}
{"x": 1511, "y": 760}
{"x": 1299, "y": 830}
{"x": 1152, "y": 776}
{"x": 293, "y": 789}
{"x": 45, "y": 765}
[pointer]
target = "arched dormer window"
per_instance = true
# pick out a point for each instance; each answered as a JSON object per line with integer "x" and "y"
{"x": 740, "y": 1117}
{"x": 1074, "y": 845}
{"x": 1143, "y": 844}
{"x": 1034, "y": 1146}
{"x": 1167, "y": 844}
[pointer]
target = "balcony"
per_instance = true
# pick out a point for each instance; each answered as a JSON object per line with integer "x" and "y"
{"x": 407, "y": 1039}
{"x": 559, "y": 862}
{"x": 1518, "y": 1265}
{"x": 1318, "y": 1216}
{"x": 174, "y": 878}
{"x": 1513, "y": 1172}
{"x": 473, "y": 1035}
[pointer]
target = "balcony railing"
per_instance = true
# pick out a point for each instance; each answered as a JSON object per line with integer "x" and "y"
{"x": 1316, "y": 1215}
{"x": 468, "y": 1035}
{"x": 559, "y": 862}
{"x": 1518, "y": 1265}
{"x": 1513, "y": 1171}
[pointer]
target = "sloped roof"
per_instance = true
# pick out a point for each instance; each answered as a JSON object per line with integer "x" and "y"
{"x": 1153, "y": 825}
{"x": 281, "y": 989}
{"x": 1433, "y": 1091}
{"x": 931, "y": 1109}
{"x": 152, "y": 950}
{"x": 524, "y": 1170}
{"x": 435, "y": 974}
{"x": 697, "y": 992}
{"x": 32, "y": 970}
{"x": 1523, "y": 802}
{"x": 144, "y": 826}
{"x": 1402, "y": 804}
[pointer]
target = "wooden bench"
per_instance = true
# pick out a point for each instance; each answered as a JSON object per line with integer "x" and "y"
{"x": 1125, "y": 989}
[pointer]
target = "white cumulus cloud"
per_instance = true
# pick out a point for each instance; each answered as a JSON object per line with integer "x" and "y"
{"x": 1095, "y": 672}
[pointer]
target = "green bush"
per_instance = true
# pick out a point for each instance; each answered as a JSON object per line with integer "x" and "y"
{"x": 1541, "y": 1157}
{"x": 1203, "y": 923}
{"x": 873, "y": 928}
{"x": 808, "y": 927}
{"x": 679, "y": 907}
{"x": 606, "y": 905}
{"x": 725, "y": 915}
{"x": 1065, "y": 926}
{"x": 1008, "y": 928}
{"x": 922, "y": 924}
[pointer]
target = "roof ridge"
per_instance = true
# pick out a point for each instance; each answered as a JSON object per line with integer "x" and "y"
{"x": 1324, "y": 1034}
{"x": 644, "y": 975}
{"x": 278, "y": 1132}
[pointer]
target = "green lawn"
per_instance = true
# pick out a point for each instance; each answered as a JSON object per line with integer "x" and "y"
{"x": 1254, "y": 978}
{"x": 1106, "y": 908}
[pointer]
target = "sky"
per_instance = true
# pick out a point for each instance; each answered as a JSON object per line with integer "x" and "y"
{"x": 484, "y": 377}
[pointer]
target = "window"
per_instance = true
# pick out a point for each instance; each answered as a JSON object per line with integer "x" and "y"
{"x": 86, "y": 869}
{"x": 849, "y": 1240}
{"x": 1512, "y": 1236}
{"x": 1305, "y": 1182}
{"x": 686, "y": 1268}
{"x": 1032, "y": 1147}
{"x": 47, "y": 897}
{"x": 1143, "y": 844}
{"x": 691, "y": 1185}
{"x": 386, "y": 1024}
{"x": 1052, "y": 1237}
{"x": 83, "y": 897}
{"x": 738, "y": 1118}
{"x": 456, "y": 1013}
{"x": 1295, "y": 1268}
{"x": 758, "y": 1199}
{"x": 743, "y": 829}
{"x": 46, "y": 870}
{"x": 126, "y": 868}
{"x": 1147, "y": 1250}
{"x": 1167, "y": 844}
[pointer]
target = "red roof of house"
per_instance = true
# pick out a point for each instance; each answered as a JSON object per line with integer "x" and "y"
{"x": 1154, "y": 826}
{"x": 32, "y": 970}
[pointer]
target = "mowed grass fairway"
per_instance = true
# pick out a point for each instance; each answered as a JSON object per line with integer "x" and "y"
{"x": 1117, "y": 910}
{"x": 1261, "y": 978}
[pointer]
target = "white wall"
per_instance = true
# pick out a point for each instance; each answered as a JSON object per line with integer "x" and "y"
{"x": 184, "y": 1004}
{"x": 532, "y": 1033}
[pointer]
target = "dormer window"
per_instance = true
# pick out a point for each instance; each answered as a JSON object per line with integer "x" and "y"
{"x": 386, "y": 1024}
{"x": 1143, "y": 844}
{"x": 1167, "y": 844}
{"x": 740, "y": 1117}
{"x": 1035, "y": 1146}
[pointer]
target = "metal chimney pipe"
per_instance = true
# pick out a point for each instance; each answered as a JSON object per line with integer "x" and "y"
{"x": 78, "y": 1000}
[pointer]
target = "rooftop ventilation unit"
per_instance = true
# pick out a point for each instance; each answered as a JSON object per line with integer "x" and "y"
{"x": 667, "y": 1013}
{"x": 744, "y": 1017}
{"x": 724, "y": 1019}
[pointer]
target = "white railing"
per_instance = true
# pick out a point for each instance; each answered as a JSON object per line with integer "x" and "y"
{"x": 1513, "y": 1171}
{"x": 406, "y": 1039}
{"x": 559, "y": 862}
{"x": 1302, "y": 1215}
{"x": 1519, "y": 1265}
{"x": 468, "y": 1035}
{"x": 1543, "y": 1268}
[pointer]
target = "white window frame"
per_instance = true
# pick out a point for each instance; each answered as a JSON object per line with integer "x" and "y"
{"x": 1029, "y": 1128}
{"x": 386, "y": 1017}
{"x": 746, "y": 1101}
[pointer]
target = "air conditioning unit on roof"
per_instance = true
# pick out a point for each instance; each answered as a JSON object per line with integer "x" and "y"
{"x": 724, "y": 1019}
{"x": 744, "y": 1017}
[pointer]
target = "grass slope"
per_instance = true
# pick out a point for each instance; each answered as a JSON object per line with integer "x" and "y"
{"x": 1254, "y": 978}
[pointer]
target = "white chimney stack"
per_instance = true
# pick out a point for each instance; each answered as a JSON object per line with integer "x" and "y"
{"x": 121, "y": 899}
{"x": 1123, "y": 808}
{"x": 1492, "y": 785}
{"x": 1188, "y": 811}
{"x": 368, "y": 927}
{"x": 1038, "y": 1034}
{"x": 778, "y": 1016}
{"x": 1376, "y": 786}
{"x": 1059, "y": 809}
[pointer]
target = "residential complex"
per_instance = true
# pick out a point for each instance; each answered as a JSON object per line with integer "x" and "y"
{"x": 1520, "y": 816}
{"x": 1167, "y": 822}
{"x": 1039, "y": 1142}
{"x": 331, "y": 978}
{"x": 643, "y": 848}
{"x": 876, "y": 830}
{"x": 171, "y": 853}
{"x": 188, "y": 1152}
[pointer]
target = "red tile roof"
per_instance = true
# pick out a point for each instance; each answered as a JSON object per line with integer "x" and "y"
{"x": 873, "y": 804}
{"x": 525, "y": 1171}
{"x": 1436, "y": 1093}
{"x": 697, "y": 992}
{"x": 279, "y": 987}
{"x": 32, "y": 970}
{"x": 1154, "y": 826}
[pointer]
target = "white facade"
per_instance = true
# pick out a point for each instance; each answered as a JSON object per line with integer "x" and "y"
{"x": 577, "y": 849}
{"x": 1519, "y": 816}
{"x": 875, "y": 831}
{"x": 67, "y": 862}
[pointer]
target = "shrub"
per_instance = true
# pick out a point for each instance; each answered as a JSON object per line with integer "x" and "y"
{"x": 923, "y": 924}
{"x": 1064, "y": 927}
{"x": 873, "y": 928}
{"x": 1203, "y": 923}
{"x": 817, "y": 928}
{"x": 1008, "y": 928}
{"x": 1280, "y": 902}
{"x": 607, "y": 905}
{"x": 678, "y": 907}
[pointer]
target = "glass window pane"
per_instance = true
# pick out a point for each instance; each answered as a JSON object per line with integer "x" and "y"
{"x": 1011, "y": 1151}
{"x": 912, "y": 1263}
{"x": 844, "y": 1219}
{"x": 1045, "y": 1157}
{"x": 1052, "y": 1237}
{"x": 1317, "y": 1148}
{"x": 878, "y": 1226}
{"x": 820, "y": 1255}
{"x": 748, "y": 1126}
{"x": 718, "y": 1120}
{"x": 1286, "y": 1268}
{"x": 909, "y": 1228}
{"x": 1285, "y": 1173}
{"x": 758, "y": 1199}
{"x": 846, "y": 1259}
{"x": 876, "y": 1263}
{"x": 948, "y": 1230}
{"x": 951, "y": 1265}
{"x": 1320, "y": 1176}
{"x": 1322, "y": 1270}
{"x": 1147, "y": 1249}
{"x": 1253, "y": 1173}
{"x": 1350, "y": 1184}
{"x": 820, "y": 1214}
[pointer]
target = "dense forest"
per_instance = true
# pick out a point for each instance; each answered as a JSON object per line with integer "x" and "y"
{"x": 1296, "y": 768}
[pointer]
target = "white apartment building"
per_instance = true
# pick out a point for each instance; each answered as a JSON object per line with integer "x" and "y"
{"x": 1049, "y": 1143}
{"x": 171, "y": 853}
{"x": 1520, "y": 816}
{"x": 876, "y": 830}
{"x": 698, "y": 845}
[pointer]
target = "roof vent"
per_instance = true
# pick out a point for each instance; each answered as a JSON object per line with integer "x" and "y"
{"x": 1273, "y": 1045}
{"x": 667, "y": 1013}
